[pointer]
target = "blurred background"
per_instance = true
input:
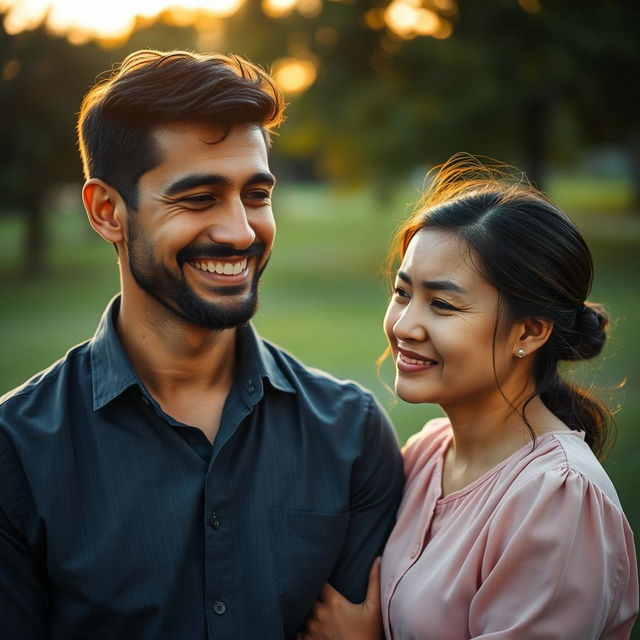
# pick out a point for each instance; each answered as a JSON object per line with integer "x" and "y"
{"x": 379, "y": 91}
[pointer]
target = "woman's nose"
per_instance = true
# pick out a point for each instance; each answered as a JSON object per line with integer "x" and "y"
{"x": 410, "y": 326}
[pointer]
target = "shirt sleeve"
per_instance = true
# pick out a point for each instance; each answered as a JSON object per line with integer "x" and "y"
{"x": 23, "y": 599}
{"x": 559, "y": 563}
{"x": 376, "y": 490}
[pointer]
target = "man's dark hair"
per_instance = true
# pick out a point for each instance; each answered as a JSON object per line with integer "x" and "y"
{"x": 154, "y": 88}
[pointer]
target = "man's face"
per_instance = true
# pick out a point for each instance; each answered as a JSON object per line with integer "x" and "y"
{"x": 204, "y": 228}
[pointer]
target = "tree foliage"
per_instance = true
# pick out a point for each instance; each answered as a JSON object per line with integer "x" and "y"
{"x": 526, "y": 86}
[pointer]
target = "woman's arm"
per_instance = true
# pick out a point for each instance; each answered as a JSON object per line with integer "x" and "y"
{"x": 333, "y": 617}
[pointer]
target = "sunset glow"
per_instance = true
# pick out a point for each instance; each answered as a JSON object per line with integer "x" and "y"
{"x": 81, "y": 20}
{"x": 408, "y": 19}
{"x": 294, "y": 75}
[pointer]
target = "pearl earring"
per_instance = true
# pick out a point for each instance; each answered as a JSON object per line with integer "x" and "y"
{"x": 521, "y": 353}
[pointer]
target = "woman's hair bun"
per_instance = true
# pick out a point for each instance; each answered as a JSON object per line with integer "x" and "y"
{"x": 588, "y": 334}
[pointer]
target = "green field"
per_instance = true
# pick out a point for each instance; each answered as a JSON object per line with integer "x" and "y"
{"x": 323, "y": 298}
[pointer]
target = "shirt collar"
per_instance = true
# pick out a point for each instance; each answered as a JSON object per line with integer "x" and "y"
{"x": 111, "y": 370}
{"x": 112, "y": 373}
{"x": 255, "y": 357}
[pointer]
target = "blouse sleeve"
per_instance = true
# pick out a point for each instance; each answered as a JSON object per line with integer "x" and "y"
{"x": 559, "y": 563}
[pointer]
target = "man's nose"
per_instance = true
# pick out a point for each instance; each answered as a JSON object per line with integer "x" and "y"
{"x": 232, "y": 227}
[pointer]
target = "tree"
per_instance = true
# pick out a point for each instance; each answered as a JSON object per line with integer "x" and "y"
{"x": 44, "y": 78}
{"x": 383, "y": 104}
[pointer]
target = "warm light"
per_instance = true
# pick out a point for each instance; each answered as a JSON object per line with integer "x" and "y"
{"x": 81, "y": 20}
{"x": 179, "y": 16}
{"x": 427, "y": 22}
{"x": 530, "y": 6}
{"x": 444, "y": 30}
{"x": 294, "y": 75}
{"x": 374, "y": 19}
{"x": 446, "y": 7}
{"x": 408, "y": 19}
{"x": 278, "y": 8}
{"x": 401, "y": 18}
{"x": 10, "y": 70}
{"x": 21, "y": 15}
{"x": 90, "y": 19}
{"x": 310, "y": 8}
{"x": 210, "y": 34}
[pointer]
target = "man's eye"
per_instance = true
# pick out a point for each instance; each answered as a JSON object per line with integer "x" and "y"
{"x": 259, "y": 194}
{"x": 201, "y": 198}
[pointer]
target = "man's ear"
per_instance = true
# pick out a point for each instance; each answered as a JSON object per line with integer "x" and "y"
{"x": 534, "y": 333}
{"x": 106, "y": 210}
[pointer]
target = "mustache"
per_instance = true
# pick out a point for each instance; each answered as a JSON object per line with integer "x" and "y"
{"x": 219, "y": 251}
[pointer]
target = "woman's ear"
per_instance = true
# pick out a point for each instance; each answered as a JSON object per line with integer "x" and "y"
{"x": 106, "y": 210}
{"x": 533, "y": 334}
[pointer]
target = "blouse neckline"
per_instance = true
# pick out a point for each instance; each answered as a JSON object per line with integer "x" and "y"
{"x": 459, "y": 493}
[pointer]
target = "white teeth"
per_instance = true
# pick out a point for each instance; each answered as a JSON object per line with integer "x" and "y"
{"x": 414, "y": 361}
{"x": 222, "y": 268}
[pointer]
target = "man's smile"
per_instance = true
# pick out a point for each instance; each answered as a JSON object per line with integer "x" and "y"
{"x": 226, "y": 267}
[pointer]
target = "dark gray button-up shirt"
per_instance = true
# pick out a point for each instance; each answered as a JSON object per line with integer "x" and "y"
{"x": 117, "y": 521}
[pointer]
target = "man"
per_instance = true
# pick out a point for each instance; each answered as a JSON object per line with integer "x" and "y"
{"x": 176, "y": 476}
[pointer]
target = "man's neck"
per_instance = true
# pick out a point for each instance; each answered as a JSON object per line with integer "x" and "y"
{"x": 183, "y": 366}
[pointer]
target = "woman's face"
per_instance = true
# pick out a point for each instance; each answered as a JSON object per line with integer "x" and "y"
{"x": 440, "y": 325}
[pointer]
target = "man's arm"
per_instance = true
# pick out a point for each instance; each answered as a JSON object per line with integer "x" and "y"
{"x": 23, "y": 597}
{"x": 376, "y": 490}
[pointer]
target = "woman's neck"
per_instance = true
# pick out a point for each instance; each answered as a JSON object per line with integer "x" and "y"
{"x": 481, "y": 440}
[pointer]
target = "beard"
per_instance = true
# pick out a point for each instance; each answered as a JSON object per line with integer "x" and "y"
{"x": 173, "y": 292}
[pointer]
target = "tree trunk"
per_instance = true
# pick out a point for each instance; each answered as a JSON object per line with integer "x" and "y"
{"x": 34, "y": 239}
{"x": 535, "y": 137}
{"x": 634, "y": 152}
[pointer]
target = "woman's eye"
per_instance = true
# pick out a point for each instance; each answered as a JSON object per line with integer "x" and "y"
{"x": 441, "y": 304}
{"x": 400, "y": 293}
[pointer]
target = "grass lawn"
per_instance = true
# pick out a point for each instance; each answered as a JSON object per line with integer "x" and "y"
{"x": 323, "y": 298}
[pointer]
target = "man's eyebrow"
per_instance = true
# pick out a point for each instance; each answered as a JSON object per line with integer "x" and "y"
{"x": 434, "y": 285}
{"x": 214, "y": 180}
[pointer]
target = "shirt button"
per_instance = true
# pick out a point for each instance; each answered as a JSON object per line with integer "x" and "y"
{"x": 250, "y": 387}
{"x": 214, "y": 522}
{"x": 219, "y": 607}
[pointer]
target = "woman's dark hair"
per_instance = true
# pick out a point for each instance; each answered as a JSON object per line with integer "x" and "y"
{"x": 153, "y": 88}
{"x": 534, "y": 255}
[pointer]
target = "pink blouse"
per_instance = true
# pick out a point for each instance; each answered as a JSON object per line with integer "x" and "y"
{"x": 536, "y": 548}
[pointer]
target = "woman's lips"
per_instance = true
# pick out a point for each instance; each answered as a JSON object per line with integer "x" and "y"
{"x": 411, "y": 361}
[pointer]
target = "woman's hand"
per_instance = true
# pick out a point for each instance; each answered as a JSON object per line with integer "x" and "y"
{"x": 333, "y": 617}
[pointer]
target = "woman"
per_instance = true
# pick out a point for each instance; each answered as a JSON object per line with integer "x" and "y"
{"x": 509, "y": 527}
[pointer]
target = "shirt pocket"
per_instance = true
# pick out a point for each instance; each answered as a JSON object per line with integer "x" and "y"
{"x": 306, "y": 545}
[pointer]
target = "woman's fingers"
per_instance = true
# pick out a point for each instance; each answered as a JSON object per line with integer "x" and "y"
{"x": 334, "y": 617}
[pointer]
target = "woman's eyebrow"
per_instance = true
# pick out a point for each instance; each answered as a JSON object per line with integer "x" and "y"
{"x": 434, "y": 285}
